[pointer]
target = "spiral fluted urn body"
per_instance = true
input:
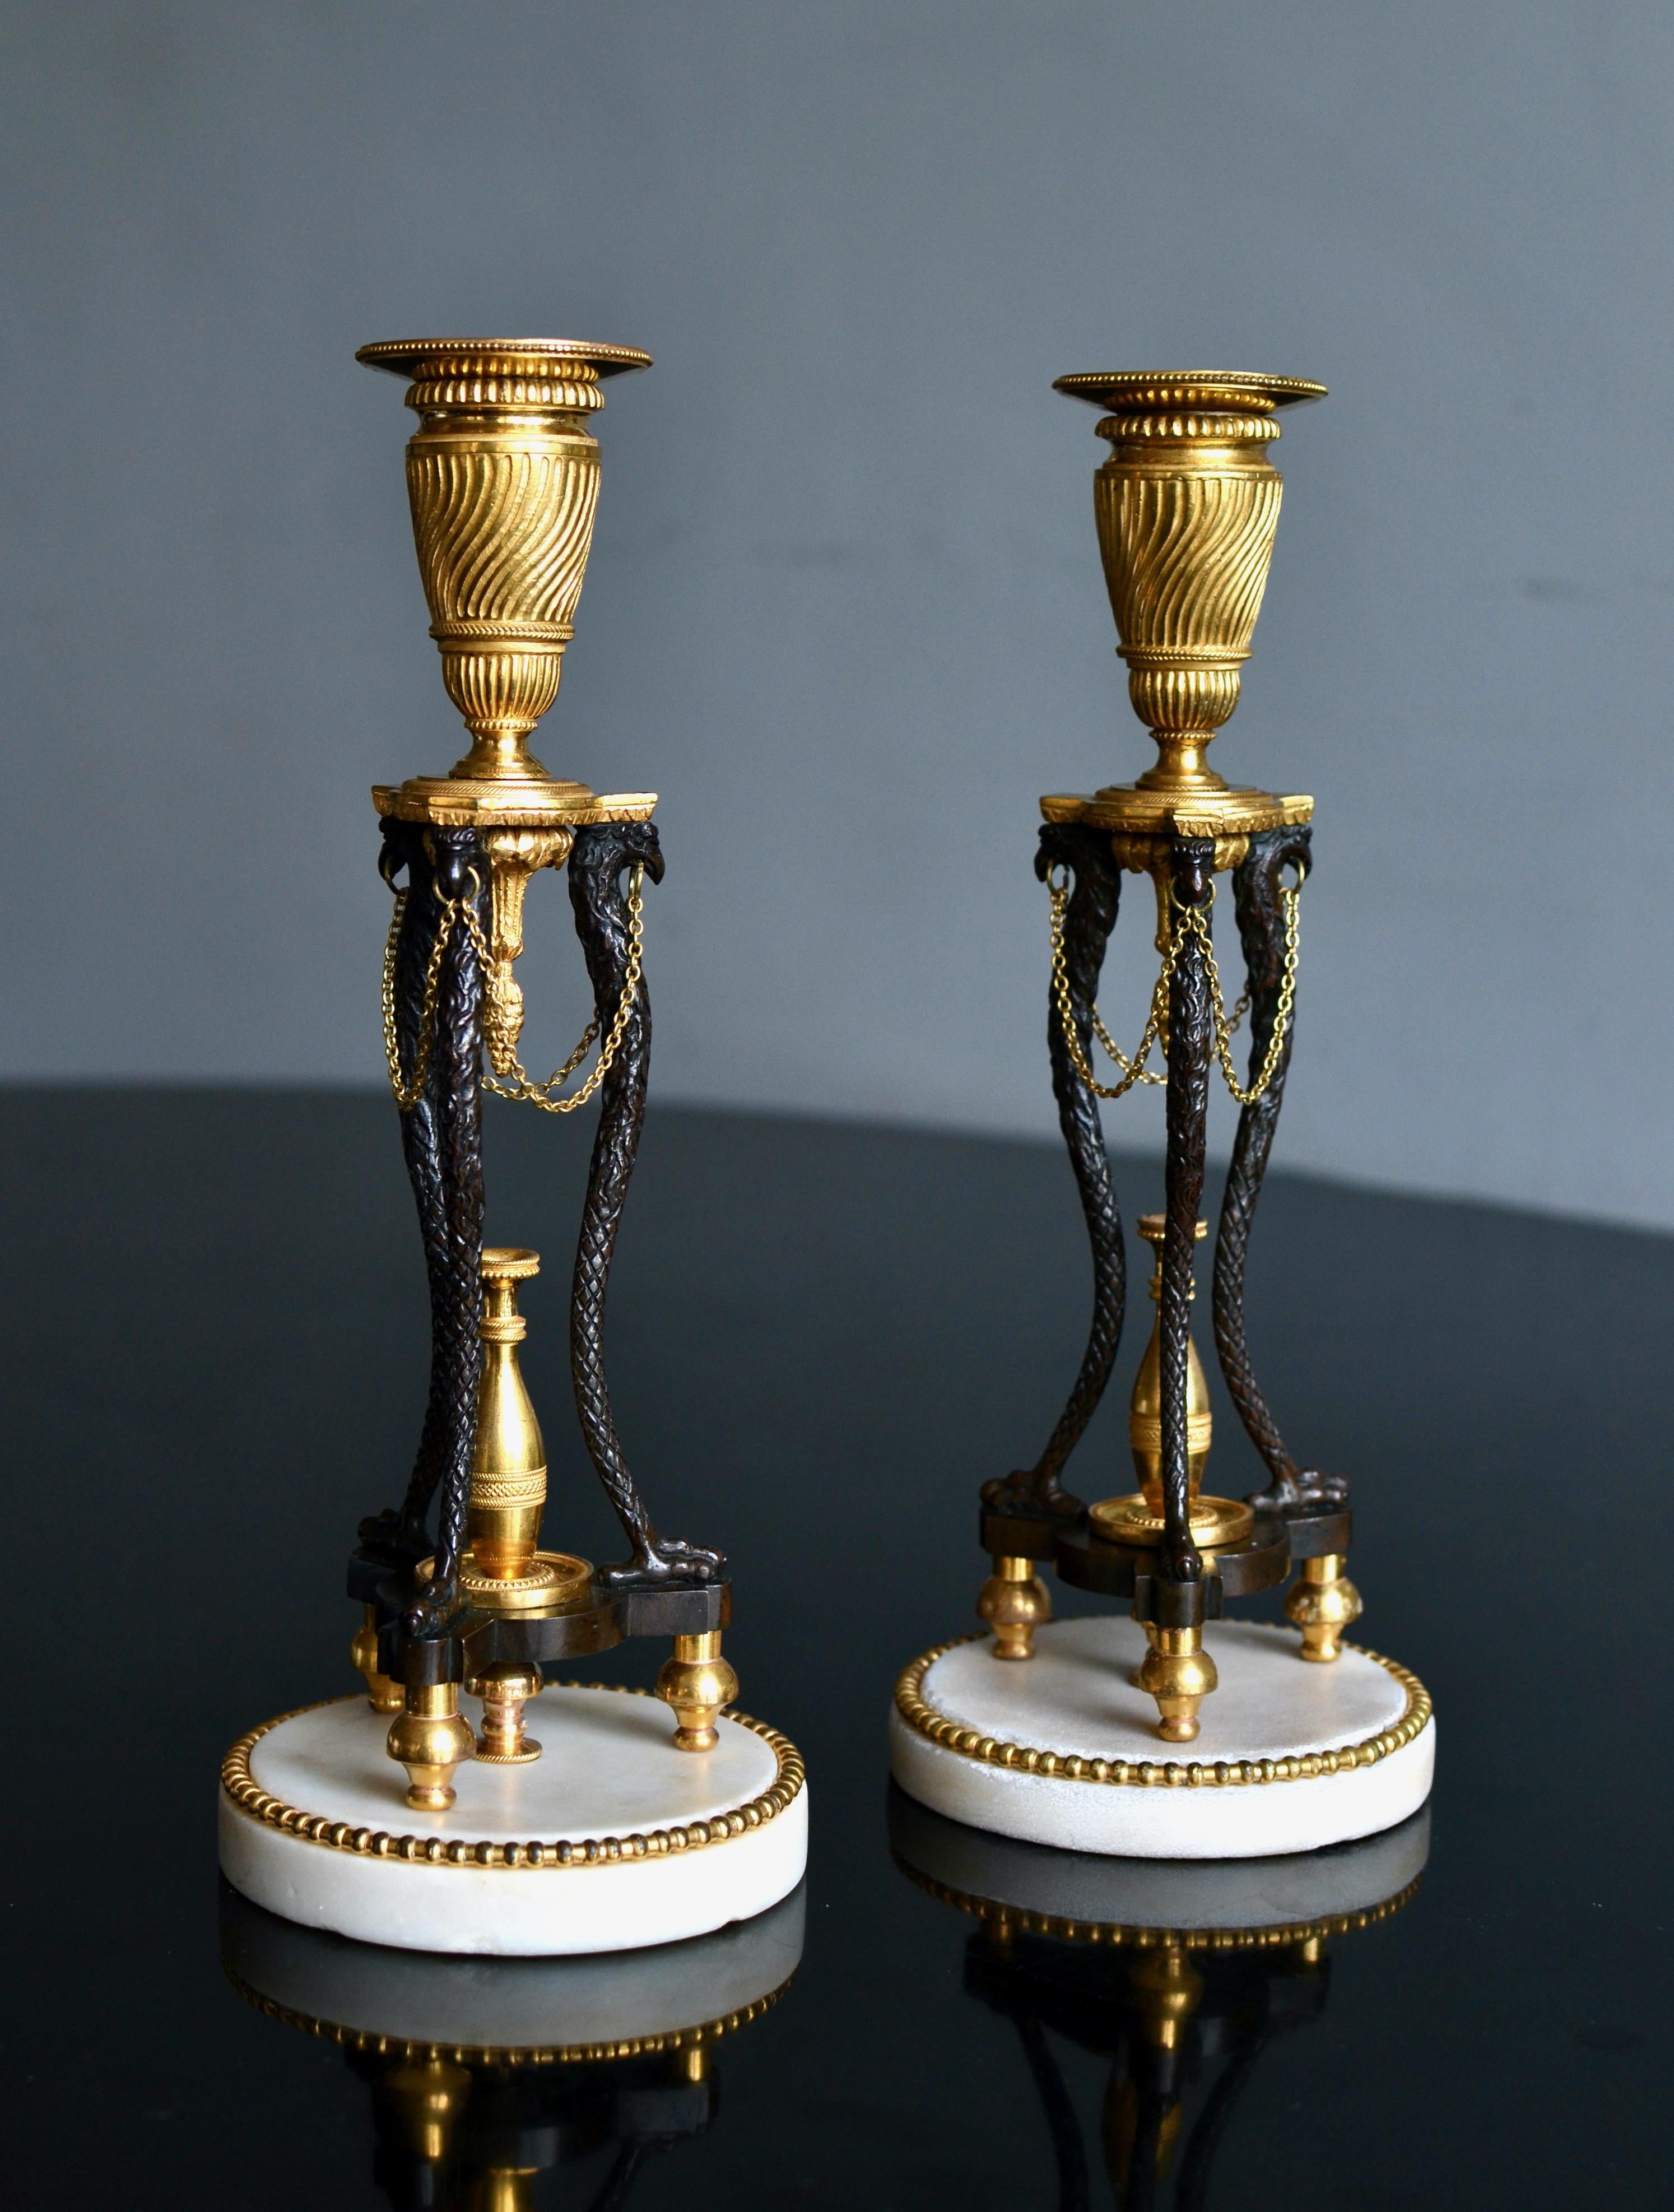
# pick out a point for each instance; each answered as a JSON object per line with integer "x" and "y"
{"x": 1186, "y": 505}
{"x": 502, "y": 477}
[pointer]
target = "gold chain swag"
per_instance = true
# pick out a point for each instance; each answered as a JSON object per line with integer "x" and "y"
{"x": 407, "y": 1094}
{"x": 522, "y": 1087}
{"x": 1191, "y": 921}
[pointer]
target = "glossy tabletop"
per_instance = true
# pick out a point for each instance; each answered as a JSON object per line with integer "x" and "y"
{"x": 822, "y": 1339}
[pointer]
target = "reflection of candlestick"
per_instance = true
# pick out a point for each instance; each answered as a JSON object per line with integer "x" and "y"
{"x": 506, "y": 2188}
{"x": 425, "y": 2097}
{"x": 1178, "y": 1974}
{"x": 487, "y": 2075}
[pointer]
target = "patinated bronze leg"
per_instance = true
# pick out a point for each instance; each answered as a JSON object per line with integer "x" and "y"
{"x": 1177, "y": 1672}
{"x": 1091, "y": 916}
{"x": 1190, "y": 1033}
{"x": 604, "y": 852}
{"x": 400, "y": 1534}
{"x": 1014, "y": 1601}
{"x": 1261, "y": 929}
{"x": 461, "y": 870}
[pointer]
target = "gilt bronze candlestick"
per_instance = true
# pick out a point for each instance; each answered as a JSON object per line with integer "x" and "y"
{"x": 1186, "y": 505}
{"x": 502, "y": 477}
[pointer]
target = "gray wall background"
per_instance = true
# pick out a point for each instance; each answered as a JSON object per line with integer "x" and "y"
{"x": 845, "y": 610}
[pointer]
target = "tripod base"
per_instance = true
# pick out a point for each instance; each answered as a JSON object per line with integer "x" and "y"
{"x": 611, "y": 1841}
{"x": 1063, "y": 1749}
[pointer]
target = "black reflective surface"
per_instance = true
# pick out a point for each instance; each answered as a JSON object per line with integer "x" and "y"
{"x": 822, "y": 1339}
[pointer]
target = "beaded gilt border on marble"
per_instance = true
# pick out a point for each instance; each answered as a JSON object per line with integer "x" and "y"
{"x": 1118, "y": 1934}
{"x": 1152, "y": 1773}
{"x": 473, "y": 2054}
{"x": 259, "y": 1804}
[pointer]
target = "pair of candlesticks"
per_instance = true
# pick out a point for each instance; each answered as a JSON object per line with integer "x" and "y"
{"x": 503, "y": 478}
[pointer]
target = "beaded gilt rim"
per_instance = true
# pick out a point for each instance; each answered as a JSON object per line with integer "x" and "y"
{"x": 259, "y": 1804}
{"x": 1122, "y": 1934}
{"x": 474, "y": 2054}
{"x": 1153, "y": 1773}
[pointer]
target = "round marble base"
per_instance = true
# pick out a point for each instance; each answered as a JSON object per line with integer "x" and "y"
{"x": 612, "y": 1840}
{"x": 1063, "y": 1749}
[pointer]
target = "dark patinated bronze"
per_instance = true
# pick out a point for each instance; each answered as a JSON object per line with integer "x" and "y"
{"x": 1094, "y": 896}
{"x": 1261, "y": 932}
{"x": 1191, "y": 877}
{"x": 429, "y": 1632}
{"x": 1299, "y": 1513}
{"x": 603, "y": 852}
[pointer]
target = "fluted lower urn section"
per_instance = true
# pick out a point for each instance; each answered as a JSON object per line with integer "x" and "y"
{"x": 1187, "y": 506}
{"x": 502, "y": 476}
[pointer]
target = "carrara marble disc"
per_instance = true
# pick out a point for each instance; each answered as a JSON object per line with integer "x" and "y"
{"x": 1063, "y": 1749}
{"x": 612, "y": 1840}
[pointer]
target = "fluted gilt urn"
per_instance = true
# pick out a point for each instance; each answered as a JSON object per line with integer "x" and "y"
{"x": 502, "y": 477}
{"x": 1186, "y": 505}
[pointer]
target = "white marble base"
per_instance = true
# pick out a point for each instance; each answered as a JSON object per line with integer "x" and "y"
{"x": 634, "y": 1814}
{"x": 1076, "y": 1700}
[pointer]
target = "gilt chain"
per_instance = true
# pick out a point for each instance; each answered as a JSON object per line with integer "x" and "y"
{"x": 1196, "y": 918}
{"x": 523, "y": 1088}
{"x": 408, "y": 1093}
{"x": 1194, "y": 921}
{"x": 1133, "y": 1071}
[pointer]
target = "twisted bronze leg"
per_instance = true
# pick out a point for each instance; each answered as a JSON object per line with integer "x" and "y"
{"x": 1089, "y": 922}
{"x": 400, "y": 1534}
{"x": 602, "y": 853}
{"x": 1187, "y": 1120}
{"x": 1261, "y": 929}
{"x": 461, "y": 870}
{"x": 1177, "y": 1671}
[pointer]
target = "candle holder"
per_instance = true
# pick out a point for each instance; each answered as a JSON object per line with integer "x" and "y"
{"x": 1028, "y": 1733}
{"x": 600, "y": 1828}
